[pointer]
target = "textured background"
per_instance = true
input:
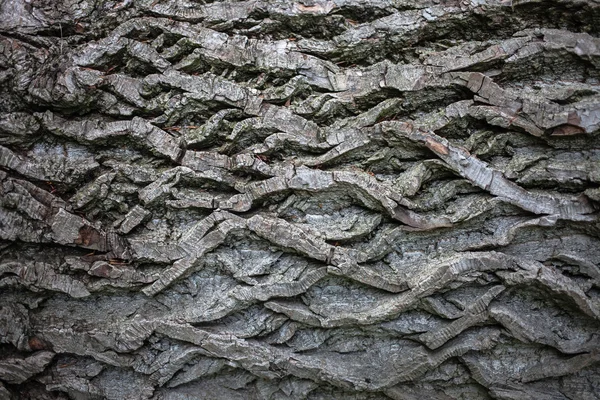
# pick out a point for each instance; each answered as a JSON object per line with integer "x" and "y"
{"x": 343, "y": 199}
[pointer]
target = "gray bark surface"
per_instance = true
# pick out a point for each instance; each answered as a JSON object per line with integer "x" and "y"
{"x": 276, "y": 199}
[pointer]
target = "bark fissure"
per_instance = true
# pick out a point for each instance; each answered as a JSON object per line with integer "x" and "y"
{"x": 323, "y": 199}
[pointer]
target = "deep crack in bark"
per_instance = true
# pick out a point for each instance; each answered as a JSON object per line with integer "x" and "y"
{"x": 328, "y": 199}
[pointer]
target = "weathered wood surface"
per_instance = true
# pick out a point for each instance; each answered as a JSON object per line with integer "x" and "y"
{"x": 272, "y": 199}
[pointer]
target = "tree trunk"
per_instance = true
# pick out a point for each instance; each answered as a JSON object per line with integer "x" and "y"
{"x": 337, "y": 199}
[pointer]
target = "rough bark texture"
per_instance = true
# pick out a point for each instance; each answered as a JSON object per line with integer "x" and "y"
{"x": 338, "y": 199}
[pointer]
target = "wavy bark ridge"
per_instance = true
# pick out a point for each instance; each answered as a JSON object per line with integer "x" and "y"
{"x": 299, "y": 200}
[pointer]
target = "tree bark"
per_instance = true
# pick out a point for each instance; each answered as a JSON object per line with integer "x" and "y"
{"x": 337, "y": 199}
